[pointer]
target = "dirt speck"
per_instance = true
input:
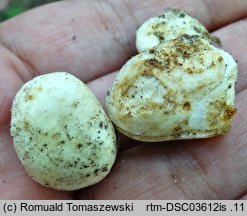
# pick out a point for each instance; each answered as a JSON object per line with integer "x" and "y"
{"x": 186, "y": 106}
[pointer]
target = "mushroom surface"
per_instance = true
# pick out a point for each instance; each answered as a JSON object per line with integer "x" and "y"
{"x": 61, "y": 133}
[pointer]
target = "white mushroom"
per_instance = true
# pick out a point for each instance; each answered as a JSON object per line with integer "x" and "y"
{"x": 170, "y": 25}
{"x": 181, "y": 89}
{"x": 61, "y": 133}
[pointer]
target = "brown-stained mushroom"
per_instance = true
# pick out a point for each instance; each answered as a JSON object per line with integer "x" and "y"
{"x": 180, "y": 89}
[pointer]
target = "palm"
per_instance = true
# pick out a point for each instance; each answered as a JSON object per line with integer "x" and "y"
{"x": 92, "y": 39}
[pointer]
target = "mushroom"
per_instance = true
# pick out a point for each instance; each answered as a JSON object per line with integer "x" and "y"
{"x": 170, "y": 25}
{"x": 61, "y": 133}
{"x": 180, "y": 89}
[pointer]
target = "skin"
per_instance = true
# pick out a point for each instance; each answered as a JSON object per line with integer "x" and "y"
{"x": 92, "y": 40}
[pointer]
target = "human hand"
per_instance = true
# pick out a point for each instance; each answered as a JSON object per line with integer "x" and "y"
{"x": 92, "y": 40}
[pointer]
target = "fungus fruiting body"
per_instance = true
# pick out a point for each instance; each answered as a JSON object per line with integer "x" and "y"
{"x": 61, "y": 133}
{"x": 170, "y": 25}
{"x": 179, "y": 86}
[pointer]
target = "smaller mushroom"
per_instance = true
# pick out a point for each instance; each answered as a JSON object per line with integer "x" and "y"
{"x": 170, "y": 25}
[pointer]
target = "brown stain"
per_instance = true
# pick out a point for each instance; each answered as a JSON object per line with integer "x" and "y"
{"x": 30, "y": 93}
{"x": 56, "y": 135}
{"x": 40, "y": 88}
{"x": 151, "y": 64}
{"x": 200, "y": 88}
{"x": 154, "y": 127}
{"x": 230, "y": 111}
{"x": 29, "y": 97}
{"x": 177, "y": 130}
{"x": 214, "y": 112}
{"x": 220, "y": 59}
{"x": 146, "y": 67}
{"x": 125, "y": 84}
{"x": 124, "y": 117}
{"x": 185, "y": 122}
{"x": 220, "y": 116}
{"x": 191, "y": 70}
{"x": 150, "y": 105}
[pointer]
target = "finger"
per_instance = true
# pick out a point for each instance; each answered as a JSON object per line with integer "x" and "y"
{"x": 214, "y": 14}
{"x": 14, "y": 182}
{"x": 12, "y": 74}
{"x": 233, "y": 39}
{"x": 91, "y": 38}
{"x": 201, "y": 169}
